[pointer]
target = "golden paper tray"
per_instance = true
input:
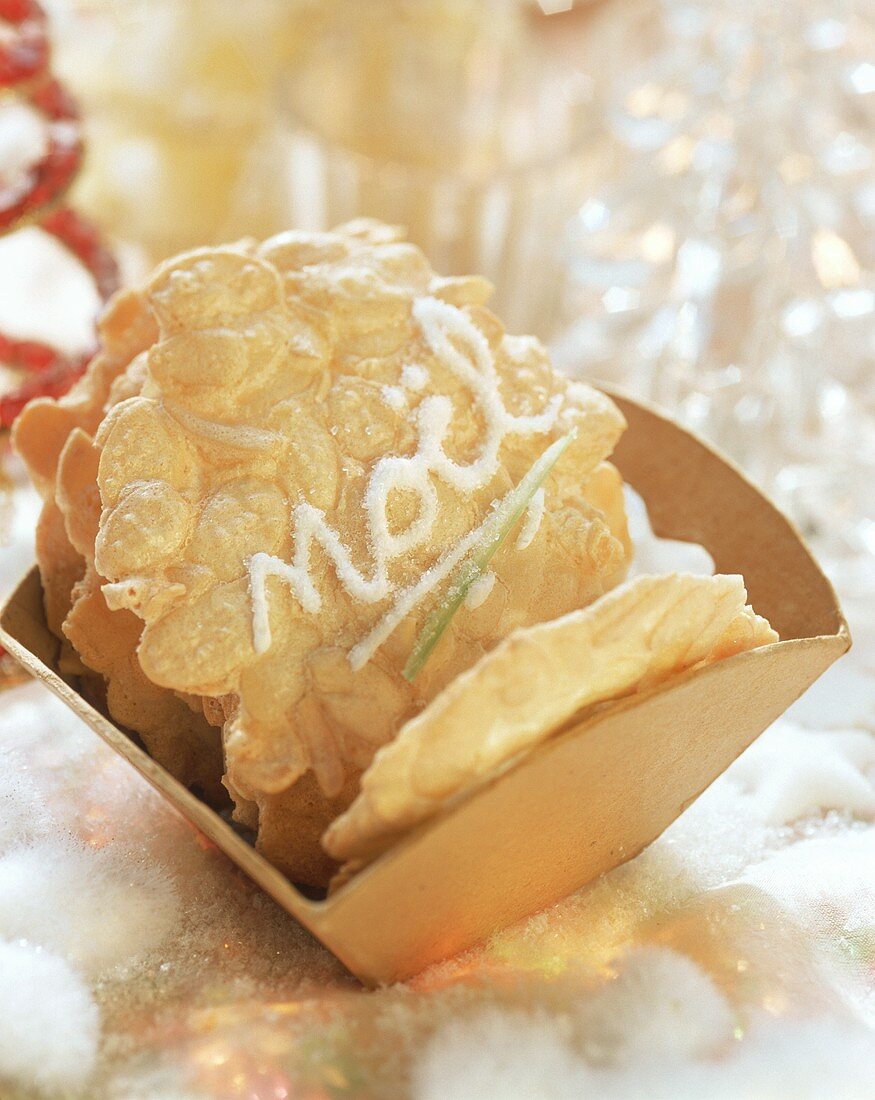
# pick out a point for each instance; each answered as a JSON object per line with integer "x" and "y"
{"x": 594, "y": 795}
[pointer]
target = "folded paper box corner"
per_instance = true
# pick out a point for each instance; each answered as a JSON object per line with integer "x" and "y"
{"x": 586, "y": 800}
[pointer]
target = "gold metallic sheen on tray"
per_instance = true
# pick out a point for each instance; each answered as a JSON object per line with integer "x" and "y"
{"x": 594, "y": 794}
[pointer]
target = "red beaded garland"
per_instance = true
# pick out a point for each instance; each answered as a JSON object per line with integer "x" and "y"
{"x": 24, "y": 73}
{"x": 25, "y": 54}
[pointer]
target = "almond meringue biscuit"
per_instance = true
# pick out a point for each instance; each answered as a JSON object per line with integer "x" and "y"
{"x": 174, "y": 734}
{"x": 61, "y": 565}
{"x": 518, "y": 695}
{"x": 323, "y": 429}
{"x": 173, "y": 730}
{"x": 97, "y": 645}
{"x": 41, "y": 432}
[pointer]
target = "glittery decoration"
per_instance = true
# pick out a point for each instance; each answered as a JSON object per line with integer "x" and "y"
{"x": 723, "y": 265}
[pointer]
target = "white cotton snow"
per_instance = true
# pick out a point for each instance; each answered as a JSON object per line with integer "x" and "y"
{"x": 109, "y": 886}
{"x": 660, "y": 1029}
{"x": 528, "y": 1056}
{"x": 49, "y": 1023}
{"x": 660, "y": 1004}
{"x": 652, "y": 554}
{"x": 97, "y": 908}
{"x": 502, "y": 1055}
{"x": 659, "y": 1009}
{"x": 794, "y": 773}
{"x": 814, "y": 878}
{"x": 480, "y": 591}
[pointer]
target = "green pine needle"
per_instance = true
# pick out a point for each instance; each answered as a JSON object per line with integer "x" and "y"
{"x": 503, "y": 520}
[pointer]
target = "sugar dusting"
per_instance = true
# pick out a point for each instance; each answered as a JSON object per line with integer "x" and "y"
{"x": 532, "y": 522}
{"x": 395, "y": 397}
{"x": 413, "y": 596}
{"x": 414, "y": 377}
{"x": 446, "y": 329}
{"x": 479, "y": 591}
